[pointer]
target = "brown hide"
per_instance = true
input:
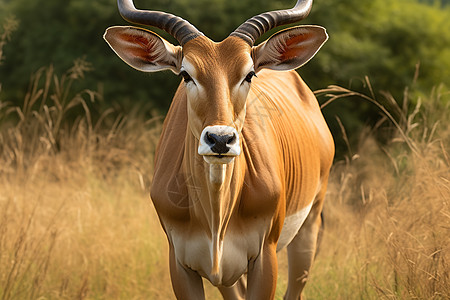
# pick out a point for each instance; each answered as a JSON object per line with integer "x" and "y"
{"x": 287, "y": 151}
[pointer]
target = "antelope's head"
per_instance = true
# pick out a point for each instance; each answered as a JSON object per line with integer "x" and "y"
{"x": 217, "y": 76}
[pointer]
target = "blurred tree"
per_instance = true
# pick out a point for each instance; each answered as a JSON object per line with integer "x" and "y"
{"x": 384, "y": 40}
{"x": 9, "y": 25}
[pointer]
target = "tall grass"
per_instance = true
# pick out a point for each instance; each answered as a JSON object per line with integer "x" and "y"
{"x": 387, "y": 213}
{"x": 74, "y": 210}
{"x": 76, "y": 221}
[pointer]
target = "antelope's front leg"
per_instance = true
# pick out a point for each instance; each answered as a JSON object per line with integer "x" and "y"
{"x": 262, "y": 274}
{"x": 186, "y": 283}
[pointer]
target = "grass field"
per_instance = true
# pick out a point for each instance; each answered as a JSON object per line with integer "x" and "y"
{"x": 76, "y": 221}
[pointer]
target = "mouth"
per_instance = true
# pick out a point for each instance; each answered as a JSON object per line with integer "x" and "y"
{"x": 218, "y": 159}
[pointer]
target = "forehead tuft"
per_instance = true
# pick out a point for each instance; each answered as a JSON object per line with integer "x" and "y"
{"x": 230, "y": 58}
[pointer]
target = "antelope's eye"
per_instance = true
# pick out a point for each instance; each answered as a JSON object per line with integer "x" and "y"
{"x": 249, "y": 76}
{"x": 186, "y": 76}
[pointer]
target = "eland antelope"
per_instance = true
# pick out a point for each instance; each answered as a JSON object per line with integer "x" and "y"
{"x": 242, "y": 164}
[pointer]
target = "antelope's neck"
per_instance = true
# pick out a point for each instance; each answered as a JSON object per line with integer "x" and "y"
{"x": 213, "y": 194}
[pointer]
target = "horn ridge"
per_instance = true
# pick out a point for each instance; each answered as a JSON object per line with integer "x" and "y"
{"x": 180, "y": 29}
{"x": 256, "y": 26}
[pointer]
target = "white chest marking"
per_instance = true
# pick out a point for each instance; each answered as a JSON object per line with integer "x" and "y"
{"x": 196, "y": 251}
{"x": 292, "y": 225}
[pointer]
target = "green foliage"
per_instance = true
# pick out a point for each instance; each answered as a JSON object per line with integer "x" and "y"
{"x": 397, "y": 44}
{"x": 8, "y": 27}
{"x": 384, "y": 40}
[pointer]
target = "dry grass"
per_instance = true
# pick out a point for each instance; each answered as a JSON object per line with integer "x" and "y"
{"x": 75, "y": 216}
{"x": 76, "y": 221}
{"x": 388, "y": 214}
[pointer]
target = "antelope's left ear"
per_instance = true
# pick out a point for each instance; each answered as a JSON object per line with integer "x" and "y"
{"x": 290, "y": 48}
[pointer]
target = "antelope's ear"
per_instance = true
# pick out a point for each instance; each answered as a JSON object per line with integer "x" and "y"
{"x": 143, "y": 50}
{"x": 290, "y": 48}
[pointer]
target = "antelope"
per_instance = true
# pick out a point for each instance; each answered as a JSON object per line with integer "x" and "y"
{"x": 242, "y": 165}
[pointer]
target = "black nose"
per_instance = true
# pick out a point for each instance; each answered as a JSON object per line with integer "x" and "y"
{"x": 219, "y": 143}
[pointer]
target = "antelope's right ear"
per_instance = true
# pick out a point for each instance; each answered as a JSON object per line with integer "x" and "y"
{"x": 143, "y": 50}
{"x": 290, "y": 48}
